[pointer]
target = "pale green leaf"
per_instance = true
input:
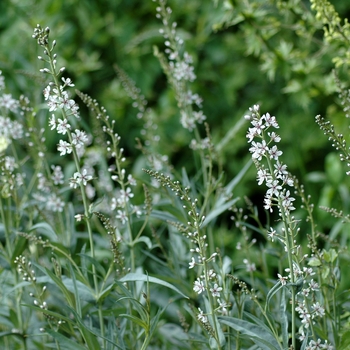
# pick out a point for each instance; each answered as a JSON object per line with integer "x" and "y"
{"x": 132, "y": 277}
{"x": 259, "y": 335}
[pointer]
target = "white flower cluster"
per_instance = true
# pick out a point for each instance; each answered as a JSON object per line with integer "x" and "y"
{"x": 58, "y": 98}
{"x": 214, "y": 289}
{"x": 210, "y": 280}
{"x": 180, "y": 70}
{"x": 45, "y": 194}
{"x": 317, "y": 345}
{"x": 121, "y": 201}
{"x": 307, "y": 306}
{"x": 275, "y": 175}
{"x": 9, "y": 129}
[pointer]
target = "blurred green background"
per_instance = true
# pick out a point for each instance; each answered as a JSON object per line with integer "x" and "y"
{"x": 245, "y": 52}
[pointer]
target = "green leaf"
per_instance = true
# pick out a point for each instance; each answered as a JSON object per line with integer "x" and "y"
{"x": 256, "y": 320}
{"x": 235, "y": 181}
{"x": 65, "y": 343}
{"x": 84, "y": 292}
{"x": 284, "y": 319}
{"x": 76, "y": 292}
{"x": 10, "y": 333}
{"x": 344, "y": 341}
{"x": 272, "y": 292}
{"x": 95, "y": 204}
{"x": 230, "y": 135}
{"x": 90, "y": 336}
{"x": 325, "y": 271}
{"x": 45, "y": 229}
{"x": 136, "y": 320}
{"x": 155, "y": 320}
{"x": 218, "y": 210}
{"x": 164, "y": 216}
{"x": 106, "y": 291}
{"x": 259, "y": 335}
{"x": 132, "y": 277}
{"x": 330, "y": 256}
{"x": 58, "y": 282}
{"x": 314, "y": 262}
{"x": 145, "y": 240}
{"x": 94, "y": 262}
{"x": 142, "y": 311}
{"x": 21, "y": 243}
{"x": 305, "y": 341}
{"x": 48, "y": 312}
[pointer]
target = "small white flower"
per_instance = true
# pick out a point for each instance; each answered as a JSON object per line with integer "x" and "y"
{"x": 62, "y": 126}
{"x": 313, "y": 285}
{"x": 201, "y": 317}
{"x": 223, "y": 307}
{"x": 250, "y": 267}
{"x": 271, "y": 234}
{"x": 282, "y": 279}
{"x": 52, "y": 122}
{"x": 64, "y": 147}
{"x": 46, "y": 92}
{"x": 67, "y": 82}
{"x": 270, "y": 120}
{"x": 131, "y": 180}
{"x": 262, "y": 176}
{"x": 79, "y": 217}
{"x": 274, "y": 188}
{"x": 82, "y": 177}
{"x": 198, "y": 286}
{"x": 275, "y": 152}
{"x": 318, "y": 310}
{"x": 215, "y": 291}
{"x": 122, "y": 216}
{"x": 79, "y": 138}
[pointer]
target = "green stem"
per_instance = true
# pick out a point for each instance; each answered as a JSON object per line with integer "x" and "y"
{"x": 289, "y": 242}
{"x": 7, "y": 231}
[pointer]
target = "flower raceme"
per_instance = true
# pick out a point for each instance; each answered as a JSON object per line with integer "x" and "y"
{"x": 263, "y": 145}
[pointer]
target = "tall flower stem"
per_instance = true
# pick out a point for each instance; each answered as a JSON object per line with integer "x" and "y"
{"x": 289, "y": 241}
{"x": 277, "y": 178}
{"x": 43, "y": 40}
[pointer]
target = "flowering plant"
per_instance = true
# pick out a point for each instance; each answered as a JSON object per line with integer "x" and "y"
{"x": 103, "y": 250}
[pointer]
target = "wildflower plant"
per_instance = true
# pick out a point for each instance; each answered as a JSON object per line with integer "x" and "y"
{"x": 99, "y": 254}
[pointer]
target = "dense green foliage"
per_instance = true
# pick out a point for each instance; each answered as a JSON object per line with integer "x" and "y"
{"x": 264, "y": 51}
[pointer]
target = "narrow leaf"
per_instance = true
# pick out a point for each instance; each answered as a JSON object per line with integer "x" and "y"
{"x": 145, "y": 240}
{"x": 65, "y": 343}
{"x": 94, "y": 262}
{"x": 136, "y": 320}
{"x": 234, "y": 182}
{"x": 45, "y": 229}
{"x": 132, "y": 277}
{"x": 218, "y": 210}
{"x": 259, "y": 335}
{"x": 284, "y": 319}
{"x": 165, "y": 216}
{"x": 58, "y": 282}
{"x": 272, "y": 292}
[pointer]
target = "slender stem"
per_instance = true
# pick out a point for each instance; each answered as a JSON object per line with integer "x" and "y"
{"x": 289, "y": 242}
{"x": 7, "y": 230}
